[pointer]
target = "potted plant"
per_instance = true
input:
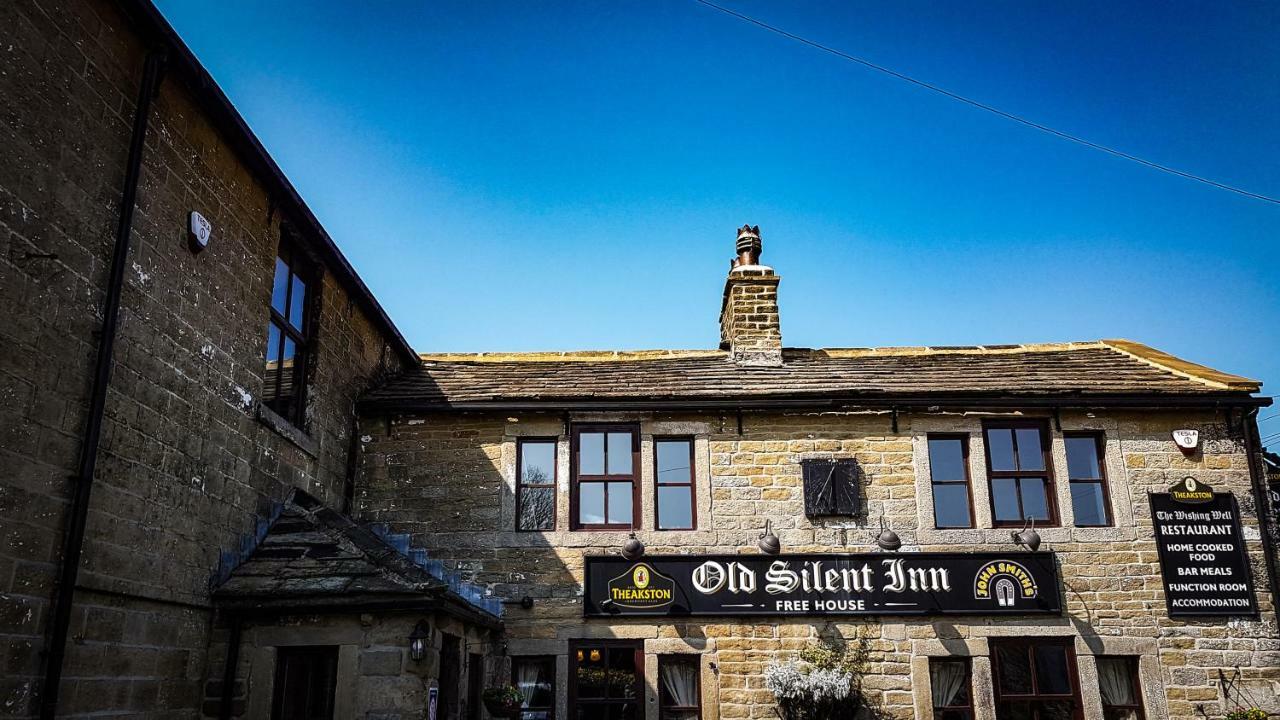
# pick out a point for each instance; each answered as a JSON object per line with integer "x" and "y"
{"x": 503, "y": 702}
{"x": 823, "y": 684}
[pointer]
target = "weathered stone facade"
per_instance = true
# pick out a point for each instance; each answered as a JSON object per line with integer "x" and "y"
{"x": 450, "y": 481}
{"x": 185, "y": 468}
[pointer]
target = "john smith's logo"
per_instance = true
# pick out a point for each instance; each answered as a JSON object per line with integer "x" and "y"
{"x": 642, "y": 588}
{"x": 1005, "y": 580}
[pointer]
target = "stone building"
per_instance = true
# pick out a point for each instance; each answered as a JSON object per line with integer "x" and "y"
{"x": 531, "y": 472}
{"x": 231, "y": 489}
{"x": 148, "y": 438}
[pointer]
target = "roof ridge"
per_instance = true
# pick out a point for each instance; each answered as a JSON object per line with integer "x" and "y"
{"x": 1182, "y": 368}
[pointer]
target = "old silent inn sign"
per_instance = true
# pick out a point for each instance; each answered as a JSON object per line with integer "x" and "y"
{"x": 823, "y": 584}
{"x": 1202, "y": 552}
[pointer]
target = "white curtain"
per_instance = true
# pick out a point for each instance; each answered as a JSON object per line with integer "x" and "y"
{"x": 1114, "y": 681}
{"x": 947, "y": 680}
{"x": 529, "y": 677}
{"x": 681, "y": 681}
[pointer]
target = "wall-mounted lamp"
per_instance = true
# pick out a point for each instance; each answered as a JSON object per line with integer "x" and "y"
{"x": 418, "y": 640}
{"x": 633, "y": 549}
{"x": 1027, "y": 537}
{"x": 887, "y": 540}
{"x": 525, "y": 602}
{"x": 769, "y": 543}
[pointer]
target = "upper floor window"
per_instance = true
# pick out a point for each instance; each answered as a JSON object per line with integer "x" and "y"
{"x": 1119, "y": 687}
{"x": 1085, "y": 470}
{"x": 1018, "y": 471}
{"x": 673, "y": 475}
{"x": 536, "y": 484}
{"x": 949, "y": 475}
{"x": 606, "y": 478}
{"x": 1035, "y": 679}
{"x": 950, "y": 683}
{"x": 289, "y": 337}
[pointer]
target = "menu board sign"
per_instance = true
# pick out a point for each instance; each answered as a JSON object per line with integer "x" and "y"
{"x": 1202, "y": 552}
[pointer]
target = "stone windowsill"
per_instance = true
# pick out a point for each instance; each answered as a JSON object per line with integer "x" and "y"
{"x": 288, "y": 430}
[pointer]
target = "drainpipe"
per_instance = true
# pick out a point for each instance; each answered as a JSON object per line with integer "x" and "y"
{"x": 1253, "y": 447}
{"x": 74, "y": 543}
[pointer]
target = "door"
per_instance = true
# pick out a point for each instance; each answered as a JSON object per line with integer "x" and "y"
{"x": 475, "y": 685}
{"x": 450, "y": 660}
{"x": 304, "y": 682}
{"x": 606, "y": 680}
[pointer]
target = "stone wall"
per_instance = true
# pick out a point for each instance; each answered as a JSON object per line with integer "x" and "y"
{"x": 185, "y": 466}
{"x": 449, "y": 479}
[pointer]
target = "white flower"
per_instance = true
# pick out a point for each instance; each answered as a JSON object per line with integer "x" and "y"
{"x": 787, "y": 681}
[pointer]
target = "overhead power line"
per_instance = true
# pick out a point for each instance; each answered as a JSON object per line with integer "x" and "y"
{"x": 983, "y": 106}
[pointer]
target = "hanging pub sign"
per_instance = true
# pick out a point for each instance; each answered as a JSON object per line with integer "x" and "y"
{"x": 1202, "y": 552}
{"x": 823, "y": 584}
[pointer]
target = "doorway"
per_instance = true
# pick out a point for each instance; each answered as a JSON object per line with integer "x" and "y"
{"x": 305, "y": 680}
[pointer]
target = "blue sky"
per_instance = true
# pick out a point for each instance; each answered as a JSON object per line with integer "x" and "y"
{"x": 538, "y": 175}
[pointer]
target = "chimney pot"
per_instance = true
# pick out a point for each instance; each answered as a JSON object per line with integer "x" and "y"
{"x": 749, "y": 246}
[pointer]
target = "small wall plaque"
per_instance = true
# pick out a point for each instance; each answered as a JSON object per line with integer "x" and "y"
{"x": 198, "y": 232}
{"x": 1188, "y": 440}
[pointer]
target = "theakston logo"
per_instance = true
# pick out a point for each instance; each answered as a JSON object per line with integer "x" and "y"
{"x": 642, "y": 588}
{"x": 1188, "y": 490}
{"x": 1006, "y": 580}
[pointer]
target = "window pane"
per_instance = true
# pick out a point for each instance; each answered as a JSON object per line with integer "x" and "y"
{"x": 1030, "y": 456}
{"x": 1004, "y": 494}
{"x": 297, "y": 301}
{"x": 1014, "y": 668}
{"x": 1015, "y": 711}
{"x": 1035, "y": 503}
{"x": 1115, "y": 681}
{"x": 675, "y": 507}
{"x": 622, "y": 673}
{"x": 1000, "y": 446}
{"x": 951, "y": 505}
{"x": 537, "y": 463}
{"x": 592, "y": 675}
{"x": 949, "y": 680}
{"x": 1052, "y": 676}
{"x": 1057, "y": 710}
{"x": 591, "y": 503}
{"x": 673, "y": 461}
{"x": 1082, "y": 458}
{"x": 280, "y": 287}
{"x": 946, "y": 459}
{"x": 619, "y": 453}
{"x": 271, "y": 376}
{"x": 533, "y": 678}
{"x": 273, "y": 344}
{"x": 537, "y": 508}
{"x": 620, "y": 503}
{"x": 1088, "y": 503}
{"x": 591, "y": 453}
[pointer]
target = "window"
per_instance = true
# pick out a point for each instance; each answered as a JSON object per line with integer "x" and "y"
{"x": 288, "y": 338}
{"x": 1089, "y": 502}
{"x": 606, "y": 680}
{"x": 951, "y": 684}
{"x": 1120, "y": 689}
{"x": 830, "y": 487}
{"x": 306, "y": 678}
{"x": 679, "y": 688}
{"x": 1018, "y": 470}
{"x": 535, "y": 678}
{"x": 673, "y": 472}
{"x": 949, "y": 473}
{"x": 605, "y": 477}
{"x": 536, "y": 484}
{"x": 1035, "y": 679}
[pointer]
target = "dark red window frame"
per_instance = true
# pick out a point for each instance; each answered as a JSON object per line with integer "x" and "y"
{"x": 967, "y": 482}
{"x": 680, "y": 711}
{"x": 521, "y": 484}
{"x": 692, "y": 485}
{"x": 607, "y": 647}
{"x": 579, "y": 479}
{"x": 954, "y": 712}
{"x": 1100, "y": 448}
{"x": 1046, "y": 474}
{"x": 1035, "y": 699}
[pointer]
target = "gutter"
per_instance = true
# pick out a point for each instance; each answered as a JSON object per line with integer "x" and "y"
{"x": 74, "y": 543}
{"x": 1257, "y": 477}
{"x": 826, "y": 402}
{"x": 154, "y": 28}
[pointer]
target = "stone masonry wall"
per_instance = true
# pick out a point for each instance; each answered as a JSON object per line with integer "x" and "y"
{"x": 185, "y": 467}
{"x": 449, "y": 481}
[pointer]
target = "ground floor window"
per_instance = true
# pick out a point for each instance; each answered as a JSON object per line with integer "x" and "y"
{"x": 1035, "y": 679}
{"x": 304, "y": 682}
{"x": 951, "y": 683}
{"x": 535, "y": 678}
{"x": 1120, "y": 689}
{"x": 679, "y": 689}
{"x": 606, "y": 679}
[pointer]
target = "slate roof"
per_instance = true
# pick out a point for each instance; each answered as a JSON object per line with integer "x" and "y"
{"x": 315, "y": 557}
{"x": 1102, "y": 369}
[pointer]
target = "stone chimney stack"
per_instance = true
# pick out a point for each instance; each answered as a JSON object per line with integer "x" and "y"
{"x": 749, "y": 327}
